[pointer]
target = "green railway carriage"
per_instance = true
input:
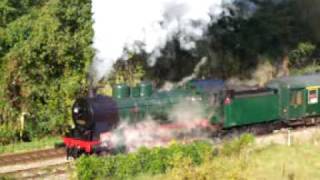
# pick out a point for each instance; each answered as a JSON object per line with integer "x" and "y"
{"x": 285, "y": 99}
{"x": 298, "y": 96}
{"x": 250, "y": 107}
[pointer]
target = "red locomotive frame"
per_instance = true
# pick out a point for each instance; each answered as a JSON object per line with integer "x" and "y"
{"x": 86, "y": 146}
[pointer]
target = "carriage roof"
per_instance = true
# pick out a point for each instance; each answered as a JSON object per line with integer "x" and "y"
{"x": 295, "y": 82}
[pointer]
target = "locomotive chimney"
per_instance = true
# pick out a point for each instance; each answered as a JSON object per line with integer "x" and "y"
{"x": 92, "y": 90}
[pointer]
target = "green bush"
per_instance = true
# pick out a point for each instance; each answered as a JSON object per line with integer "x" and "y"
{"x": 146, "y": 161}
{"x": 176, "y": 160}
{"x": 7, "y": 135}
{"x": 90, "y": 167}
{"x": 236, "y": 146}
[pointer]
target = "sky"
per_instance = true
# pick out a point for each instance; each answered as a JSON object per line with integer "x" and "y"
{"x": 121, "y": 23}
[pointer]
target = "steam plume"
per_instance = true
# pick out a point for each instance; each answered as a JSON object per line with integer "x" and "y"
{"x": 170, "y": 85}
{"x": 188, "y": 122}
{"x": 263, "y": 74}
{"x": 120, "y": 24}
{"x": 195, "y": 72}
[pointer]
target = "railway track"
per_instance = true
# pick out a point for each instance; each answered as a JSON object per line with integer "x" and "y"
{"x": 35, "y": 164}
{"x": 55, "y": 171}
{"x": 40, "y": 155}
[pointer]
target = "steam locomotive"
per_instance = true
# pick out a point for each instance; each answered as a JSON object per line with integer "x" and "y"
{"x": 285, "y": 100}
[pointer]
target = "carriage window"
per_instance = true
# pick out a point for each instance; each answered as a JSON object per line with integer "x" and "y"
{"x": 313, "y": 96}
{"x": 296, "y": 98}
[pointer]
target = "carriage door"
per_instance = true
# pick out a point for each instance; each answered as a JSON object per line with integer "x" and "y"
{"x": 297, "y": 105}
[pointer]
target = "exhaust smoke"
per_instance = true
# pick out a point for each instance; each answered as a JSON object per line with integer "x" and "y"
{"x": 121, "y": 24}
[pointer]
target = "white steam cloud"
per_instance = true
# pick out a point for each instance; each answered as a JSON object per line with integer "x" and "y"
{"x": 120, "y": 24}
{"x": 188, "y": 122}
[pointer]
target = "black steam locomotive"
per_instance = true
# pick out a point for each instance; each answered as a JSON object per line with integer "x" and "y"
{"x": 96, "y": 114}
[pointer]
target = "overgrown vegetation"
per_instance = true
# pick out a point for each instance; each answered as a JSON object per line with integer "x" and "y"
{"x": 240, "y": 158}
{"x": 270, "y": 162}
{"x": 45, "y": 53}
{"x": 175, "y": 158}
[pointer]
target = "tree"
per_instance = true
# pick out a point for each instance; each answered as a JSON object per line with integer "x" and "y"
{"x": 48, "y": 52}
{"x": 249, "y": 29}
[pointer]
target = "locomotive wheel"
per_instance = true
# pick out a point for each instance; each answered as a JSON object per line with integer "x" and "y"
{"x": 76, "y": 153}
{"x": 103, "y": 153}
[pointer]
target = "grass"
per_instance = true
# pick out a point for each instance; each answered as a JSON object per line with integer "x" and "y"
{"x": 47, "y": 142}
{"x": 299, "y": 161}
{"x": 274, "y": 162}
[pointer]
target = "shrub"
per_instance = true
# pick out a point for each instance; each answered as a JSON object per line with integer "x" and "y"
{"x": 236, "y": 146}
{"x": 90, "y": 168}
{"x": 221, "y": 167}
{"x": 178, "y": 160}
{"x": 149, "y": 161}
{"x": 7, "y": 135}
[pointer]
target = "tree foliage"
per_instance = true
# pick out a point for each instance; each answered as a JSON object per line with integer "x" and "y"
{"x": 249, "y": 29}
{"x": 44, "y": 57}
{"x": 246, "y": 33}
